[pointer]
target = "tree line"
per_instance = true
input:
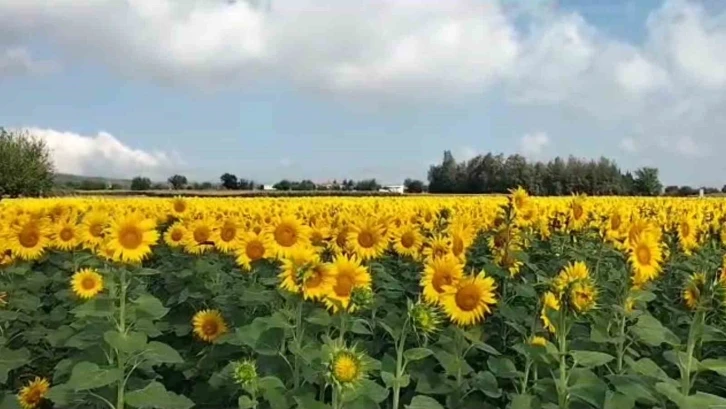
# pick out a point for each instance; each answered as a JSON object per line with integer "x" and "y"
{"x": 495, "y": 173}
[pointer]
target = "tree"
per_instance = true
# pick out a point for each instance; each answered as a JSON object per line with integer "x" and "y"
{"x": 647, "y": 182}
{"x": 413, "y": 186}
{"x": 283, "y": 185}
{"x": 140, "y": 183}
{"x": 367, "y": 185}
{"x": 245, "y": 184}
{"x": 229, "y": 181}
{"x": 177, "y": 181}
{"x": 723, "y": 189}
{"x": 26, "y": 167}
{"x": 671, "y": 191}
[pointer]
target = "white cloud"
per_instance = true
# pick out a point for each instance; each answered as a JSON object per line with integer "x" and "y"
{"x": 533, "y": 144}
{"x": 687, "y": 146}
{"x": 102, "y": 155}
{"x": 19, "y": 61}
{"x": 638, "y": 75}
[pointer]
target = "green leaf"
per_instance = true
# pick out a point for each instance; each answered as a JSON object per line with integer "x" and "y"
{"x": 647, "y": 367}
{"x": 275, "y": 397}
{"x": 131, "y": 342}
{"x": 587, "y": 387}
{"x": 96, "y": 307}
{"x": 633, "y": 387}
{"x": 416, "y": 354}
{"x": 271, "y": 382}
{"x": 424, "y": 402}
{"x": 319, "y": 317}
{"x": 616, "y": 400}
{"x": 9, "y": 401}
{"x": 244, "y": 402}
{"x": 591, "y": 359}
{"x": 87, "y": 375}
{"x": 449, "y": 362}
{"x": 486, "y": 382}
{"x": 522, "y": 402}
{"x": 373, "y": 390}
{"x": 360, "y": 327}
{"x": 502, "y": 367}
{"x": 388, "y": 379}
{"x": 155, "y": 396}
{"x": 673, "y": 394}
{"x": 160, "y": 353}
{"x": 309, "y": 402}
{"x": 11, "y": 359}
{"x": 150, "y": 306}
{"x": 650, "y": 331}
{"x": 716, "y": 365}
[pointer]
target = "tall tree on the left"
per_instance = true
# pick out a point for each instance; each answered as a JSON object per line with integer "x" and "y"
{"x": 26, "y": 167}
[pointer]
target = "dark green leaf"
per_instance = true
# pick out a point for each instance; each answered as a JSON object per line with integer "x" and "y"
{"x": 155, "y": 396}
{"x": 415, "y": 354}
{"x": 160, "y": 353}
{"x": 131, "y": 342}
{"x": 424, "y": 402}
{"x": 150, "y": 306}
{"x": 591, "y": 359}
{"x": 87, "y": 375}
{"x": 11, "y": 359}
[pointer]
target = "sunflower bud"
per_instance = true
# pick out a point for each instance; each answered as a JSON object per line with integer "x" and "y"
{"x": 426, "y": 319}
{"x": 245, "y": 373}
{"x": 346, "y": 366}
{"x": 361, "y": 298}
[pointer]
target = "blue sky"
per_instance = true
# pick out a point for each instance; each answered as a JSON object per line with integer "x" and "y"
{"x": 364, "y": 89}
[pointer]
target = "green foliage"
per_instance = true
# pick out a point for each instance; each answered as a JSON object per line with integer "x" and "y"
{"x": 26, "y": 168}
{"x": 140, "y": 183}
{"x": 177, "y": 182}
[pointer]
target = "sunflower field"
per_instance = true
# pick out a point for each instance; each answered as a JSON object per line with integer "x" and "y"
{"x": 426, "y": 302}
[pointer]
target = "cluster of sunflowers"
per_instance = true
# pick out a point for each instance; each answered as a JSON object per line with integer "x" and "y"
{"x": 470, "y": 257}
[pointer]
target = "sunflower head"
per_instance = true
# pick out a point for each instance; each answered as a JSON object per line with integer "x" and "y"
{"x": 538, "y": 341}
{"x": 361, "y": 298}
{"x": 694, "y": 288}
{"x": 426, "y": 318}
{"x": 346, "y": 366}
{"x": 245, "y": 374}
{"x": 209, "y": 325}
{"x": 583, "y": 296}
{"x": 87, "y": 283}
{"x": 470, "y": 299}
{"x": 550, "y": 305}
{"x": 33, "y": 393}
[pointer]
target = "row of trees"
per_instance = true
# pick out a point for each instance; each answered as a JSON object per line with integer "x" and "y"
{"x": 26, "y": 168}
{"x": 367, "y": 185}
{"x": 492, "y": 173}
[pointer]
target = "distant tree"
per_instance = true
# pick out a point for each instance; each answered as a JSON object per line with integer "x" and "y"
{"x": 686, "y": 191}
{"x": 647, "y": 182}
{"x": 307, "y": 185}
{"x": 671, "y": 191}
{"x": 177, "y": 181}
{"x": 367, "y": 185}
{"x": 413, "y": 186}
{"x": 723, "y": 189}
{"x": 140, "y": 183}
{"x": 709, "y": 190}
{"x": 347, "y": 185}
{"x": 245, "y": 184}
{"x": 26, "y": 167}
{"x": 116, "y": 186}
{"x": 154, "y": 186}
{"x": 91, "y": 184}
{"x": 206, "y": 186}
{"x": 229, "y": 181}
{"x": 283, "y": 185}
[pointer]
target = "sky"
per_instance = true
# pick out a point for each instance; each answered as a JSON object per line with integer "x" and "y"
{"x": 334, "y": 89}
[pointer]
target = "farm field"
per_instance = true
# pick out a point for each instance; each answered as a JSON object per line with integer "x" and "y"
{"x": 425, "y": 302}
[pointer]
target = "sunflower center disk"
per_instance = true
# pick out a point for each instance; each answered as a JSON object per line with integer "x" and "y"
{"x": 130, "y": 238}
{"x": 467, "y": 298}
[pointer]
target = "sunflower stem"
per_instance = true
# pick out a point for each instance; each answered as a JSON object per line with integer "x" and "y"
{"x": 400, "y": 345}
{"x": 299, "y": 334}
{"x": 121, "y": 329}
{"x": 562, "y": 388}
{"x": 690, "y": 349}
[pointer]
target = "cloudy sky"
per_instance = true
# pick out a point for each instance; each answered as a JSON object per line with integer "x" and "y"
{"x": 325, "y": 89}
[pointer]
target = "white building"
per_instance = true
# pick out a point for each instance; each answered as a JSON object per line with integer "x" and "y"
{"x": 268, "y": 187}
{"x": 392, "y": 188}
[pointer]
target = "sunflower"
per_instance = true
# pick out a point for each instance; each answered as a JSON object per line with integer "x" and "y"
{"x": 86, "y": 283}
{"x": 439, "y": 273}
{"x": 131, "y": 237}
{"x": 209, "y": 325}
{"x": 32, "y": 394}
{"x": 27, "y": 238}
{"x": 469, "y": 300}
{"x": 346, "y": 366}
{"x": 317, "y": 281}
{"x": 407, "y": 240}
{"x": 687, "y": 234}
{"x": 293, "y": 266}
{"x": 339, "y": 244}
{"x": 367, "y": 239}
{"x": 461, "y": 239}
{"x": 348, "y": 274}
{"x": 571, "y": 273}
{"x": 65, "y": 235}
{"x": 537, "y": 341}
{"x": 583, "y": 295}
{"x": 319, "y": 234}
{"x": 180, "y": 207}
{"x": 520, "y": 199}
{"x": 645, "y": 258}
{"x": 425, "y": 318}
{"x": 288, "y": 233}
{"x": 92, "y": 227}
{"x": 437, "y": 246}
{"x": 252, "y": 247}
{"x": 694, "y": 287}
{"x": 227, "y": 234}
{"x": 550, "y": 302}
{"x": 199, "y": 239}
{"x": 175, "y": 235}
{"x": 578, "y": 213}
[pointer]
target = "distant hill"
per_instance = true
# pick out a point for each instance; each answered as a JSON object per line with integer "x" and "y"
{"x": 65, "y": 179}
